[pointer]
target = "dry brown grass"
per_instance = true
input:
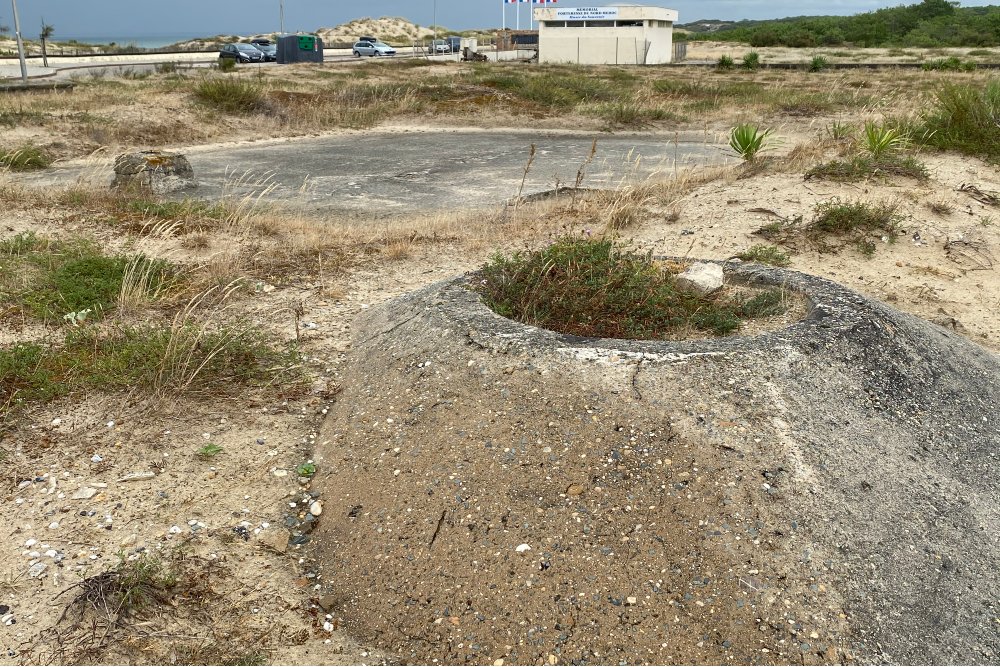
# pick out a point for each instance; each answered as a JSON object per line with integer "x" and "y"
{"x": 160, "y": 111}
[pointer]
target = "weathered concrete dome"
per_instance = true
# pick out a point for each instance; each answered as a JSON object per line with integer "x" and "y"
{"x": 821, "y": 493}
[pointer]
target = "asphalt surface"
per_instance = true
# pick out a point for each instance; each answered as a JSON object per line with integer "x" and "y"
{"x": 385, "y": 174}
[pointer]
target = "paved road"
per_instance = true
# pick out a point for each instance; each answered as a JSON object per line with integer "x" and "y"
{"x": 390, "y": 173}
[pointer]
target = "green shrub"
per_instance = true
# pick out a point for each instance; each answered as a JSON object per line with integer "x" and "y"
{"x": 26, "y": 158}
{"x": 751, "y": 61}
{"x": 725, "y": 62}
{"x": 590, "y": 287}
{"x": 231, "y": 95}
{"x": 227, "y": 64}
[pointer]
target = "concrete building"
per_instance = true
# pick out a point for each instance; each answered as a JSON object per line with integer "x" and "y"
{"x": 618, "y": 34}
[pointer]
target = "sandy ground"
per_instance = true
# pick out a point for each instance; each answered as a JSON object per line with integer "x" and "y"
{"x": 91, "y": 481}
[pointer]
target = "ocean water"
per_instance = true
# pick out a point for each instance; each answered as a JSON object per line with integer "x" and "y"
{"x": 140, "y": 41}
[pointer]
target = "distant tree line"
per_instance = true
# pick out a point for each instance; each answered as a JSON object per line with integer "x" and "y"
{"x": 931, "y": 23}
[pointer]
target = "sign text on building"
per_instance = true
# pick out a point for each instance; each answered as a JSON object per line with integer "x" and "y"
{"x": 587, "y": 13}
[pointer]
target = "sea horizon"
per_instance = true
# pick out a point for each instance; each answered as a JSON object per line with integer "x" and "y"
{"x": 139, "y": 41}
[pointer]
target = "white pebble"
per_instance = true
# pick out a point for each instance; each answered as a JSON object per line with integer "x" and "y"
{"x": 521, "y": 548}
{"x": 96, "y": 458}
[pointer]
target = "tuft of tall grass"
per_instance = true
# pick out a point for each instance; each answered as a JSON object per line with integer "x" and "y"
{"x": 187, "y": 356}
{"x": 231, "y": 95}
{"x": 25, "y": 158}
{"x": 966, "y": 118}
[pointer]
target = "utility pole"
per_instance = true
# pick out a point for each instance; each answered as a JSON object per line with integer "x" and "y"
{"x": 20, "y": 44}
{"x": 281, "y": 16}
{"x": 434, "y": 27}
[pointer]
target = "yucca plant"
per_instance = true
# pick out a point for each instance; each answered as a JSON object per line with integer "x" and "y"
{"x": 880, "y": 140}
{"x": 725, "y": 62}
{"x": 748, "y": 140}
{"x": 818, "y": 64}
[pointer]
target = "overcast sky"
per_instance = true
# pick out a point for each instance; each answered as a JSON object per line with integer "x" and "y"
{"x": 139, "y": 18}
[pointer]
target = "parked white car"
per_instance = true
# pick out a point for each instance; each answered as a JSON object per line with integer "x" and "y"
{"x": 367, "y": 48}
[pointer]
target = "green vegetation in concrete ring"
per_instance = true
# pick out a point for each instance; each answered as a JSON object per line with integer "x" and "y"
{"x": 594, "y": 288}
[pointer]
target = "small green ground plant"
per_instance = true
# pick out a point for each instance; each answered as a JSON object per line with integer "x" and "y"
{"x": 48, "y": 279}
{"x": 837, "y": 223}
{"x": 592, "y": 287}
{"x": 725, "y": 62}
{"x": 751, "y": 61}
{"x": 862, "y": 166}
{"x": 765, "y": 254}
{"x": 209, "y": 451}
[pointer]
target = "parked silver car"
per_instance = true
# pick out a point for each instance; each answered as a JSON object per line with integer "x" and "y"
{"x": 373, "y": 49}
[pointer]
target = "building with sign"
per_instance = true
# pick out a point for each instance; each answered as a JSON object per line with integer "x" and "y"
{"x": 617, "y": 34}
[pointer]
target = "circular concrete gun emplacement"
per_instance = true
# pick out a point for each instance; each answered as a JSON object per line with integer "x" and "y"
{"x": 821, "y": 493}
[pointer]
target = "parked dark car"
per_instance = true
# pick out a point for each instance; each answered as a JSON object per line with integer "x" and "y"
{"x": 261, "y": 41}
{"x": 373, "y": 49}
{"x": 242, "y": 53}
{"x": 270, "y": 52}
